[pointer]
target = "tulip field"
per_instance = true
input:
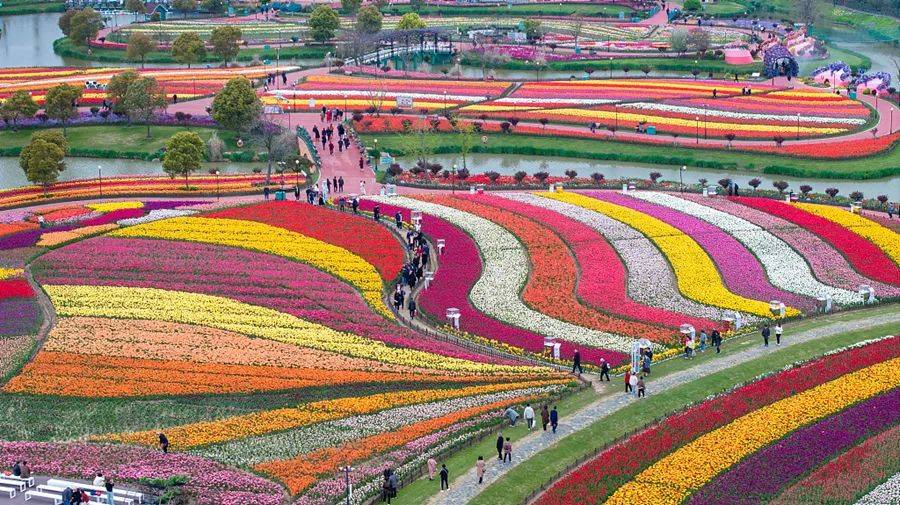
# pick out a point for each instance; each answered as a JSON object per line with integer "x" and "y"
{"x": 251, "y": 30}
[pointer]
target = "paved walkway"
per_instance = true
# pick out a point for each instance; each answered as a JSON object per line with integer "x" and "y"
{"x": 466, "y": 487}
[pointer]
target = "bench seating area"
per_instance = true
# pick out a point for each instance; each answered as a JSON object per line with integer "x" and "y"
{"x": 11, "y": 491}
{"x": 132, "y": 496}
{"x": 52, "y": 491}
{"x": 56, "y": 498}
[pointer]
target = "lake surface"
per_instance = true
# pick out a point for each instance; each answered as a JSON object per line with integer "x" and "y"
{"x": 510, "y": 164}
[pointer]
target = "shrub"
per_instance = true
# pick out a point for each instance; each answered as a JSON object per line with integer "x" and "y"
{"x": 882, "y": 199}
{"x": 597, "y": 177}
{"x": 856, "y": 196}
{"x": 571, "y": 174}
{"x": 395, "y": 169}
{"x": 492, "y": 176}
{"x": 832, "y": 192}
{"x": 541, "y": 176}
{"x": 805, "y": 189}
{"x": 780, "y": 186}
{"x": 519, "y": 176}
{"x": 655, "y": 176}
{"x": 755, "y": 182}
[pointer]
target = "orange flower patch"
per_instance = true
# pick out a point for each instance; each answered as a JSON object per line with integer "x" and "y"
{"x": 8, "y": 228}
{"x": 54, "y": 238}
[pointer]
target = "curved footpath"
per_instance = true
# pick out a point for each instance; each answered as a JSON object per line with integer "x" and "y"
{"x": 466, "y": 487}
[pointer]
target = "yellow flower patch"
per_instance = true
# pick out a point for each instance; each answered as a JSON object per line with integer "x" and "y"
{"x": 111, "y": 206}
{"x": 886, "y": 239}
{"x": 9, "y": 273}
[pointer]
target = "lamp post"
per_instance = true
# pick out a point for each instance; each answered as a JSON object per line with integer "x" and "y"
{"x": 453, "y": 181}
{"x": 100, "y": 178}
{"x": 281, "y": 169}
{"x": 217, "y": 184}
{"x": 297, "y": 171}
{"x": 798, "y": 126}
{"x": 697, "y": 124}
{"x": 681, "y": 179}
{"x": 616, "y": 109}
{"x": 610, "y": 67}
{"x": 705, "y": 122}
{"x": 347, "y": 470}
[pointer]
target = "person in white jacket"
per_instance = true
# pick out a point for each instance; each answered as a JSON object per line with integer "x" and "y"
{"x": 528, "y": 414}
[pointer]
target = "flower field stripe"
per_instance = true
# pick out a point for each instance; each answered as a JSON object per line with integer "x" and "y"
{"x": 650, "y": 279}
{"x": 785, "y": 268}
{"x": 459, "y": 270}
{"x": 273, "y": 240}
{"x": 740, "y": 268}
{"x": 505, "y": 272}
{"x": 259, "y": 423}
{"x": 607, "y": 471}
{"x": 884, "y": 238}
{"x": 851, "y": 474}
{"x": 602, "y": 274}
{"x": 552, "y": 281}
{"x": 363, "y": 237}
{"x": 229, "y": 315}
{"x": 865, "y": 256}
{"x": 15, "y": 288}
{"x": 697, "y": 276}
{"x": 826, "y": 262}
{"x": 799, "y": 453}
{"x": 887, "y": 492}
{"x": 712, "y": 112}
{"x": 675, "y": 477}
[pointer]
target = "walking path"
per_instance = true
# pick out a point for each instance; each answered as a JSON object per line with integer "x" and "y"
{"x": 466, "y": 487}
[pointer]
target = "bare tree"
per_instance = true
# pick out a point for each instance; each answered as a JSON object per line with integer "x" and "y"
{"x": 807, "y": 11}
{"x": 375, "y": 95}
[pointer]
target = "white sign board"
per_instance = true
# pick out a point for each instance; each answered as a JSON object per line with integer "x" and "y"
{"x": 272, "y": 109}
{"x": 404, "y": 101}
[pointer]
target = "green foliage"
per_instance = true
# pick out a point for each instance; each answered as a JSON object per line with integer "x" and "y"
{"x": 188, "y": 48}
{"x": 135, "y": 6}
{"x": 323, "y": 22}
{"x": 18, "y": 105}
{"x": 236, "y": 106}
{"x": 350, "y": 6}
{"x": 143, "y": 98}
{"x": 368, "y": 20}
{"x": 678, "y": 40}
{"x": 117, "y": 87}
{"x": 84, "y": 26}
{"x": 60, "y": 102}
{"x": 42, "y": 158}
{"x": 533, "y": 30}
{"x": 184, "y": 6}
{"x": 224, "y": 40}
{"x": 65, "y": 21}
{"x": 692, "y": 5}
{"x": 184, "y": 152}
{"x": 139, "y": 44}
{"x": 213, "y": 6}
{"x": 410, "y": 21}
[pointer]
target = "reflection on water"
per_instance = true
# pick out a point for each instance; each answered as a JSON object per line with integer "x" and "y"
{"x": 11, "y": 175}
{"x": 510, "y": 164}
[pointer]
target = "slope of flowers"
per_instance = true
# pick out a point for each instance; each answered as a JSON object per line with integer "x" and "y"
{"x": 863, "y": 254}
{"x": 696, "y": 273}
{"x": 614, "y": 467}
{"x": 884, "y": 238}
{"x": 251, "y": 30}
{"x": 676, "y": 476}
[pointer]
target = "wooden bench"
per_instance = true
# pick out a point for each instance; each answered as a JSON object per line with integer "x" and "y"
{"x": 132, "y": 496}
{"x": 8, "y": 490}
{"x": 57, "y": 499}
{"x": 14, "y": 483}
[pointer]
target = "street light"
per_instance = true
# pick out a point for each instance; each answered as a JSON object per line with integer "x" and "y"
{"x": 798, "y": 126}
{"x": 697, "y": 120}
{"x": 217, "y": 184}
{"x": 100, "y": 178}
{"x": 453, "y": 181}
{"x": 681, "y": 179}
{"x": 347, "y": 470}
{"x": 616, "y": 108}
{"x": 610, "y": 67}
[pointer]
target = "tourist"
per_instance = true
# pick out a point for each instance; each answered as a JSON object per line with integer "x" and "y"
{"x": 340, "y": 129}
{"x": 500, "y": 447}
{"x": 604, "y": 370}
{"x": 67, "y": 495}
{"x": 316, "y": 132}
{"x": 528, "y": 414}
{"x": 110, "y": 498}
{"x": 432, "y": 467}
{"x": 340, "y": 146}
{"x": 633, "y": 382}
{"x": 627, "y": 381}
{"x": 17, "y": 469}
{"x": 25, "y": 470}
{"x": 376, "y": 213}
{"x": 645, "y": 368}
{"x": 545, "y": 417}
{"x": 890, "y": 210}
{"x": 392, "y": 483}
{"x": 99, "y": 480}
{"x": 412, "y": 307}
{"x": 398, "y": 218}
{"x": 328, "y": 184}
{"x": 512, "y": 415}
{"x": 445, "y": 478}
{"x": 778, "y": 331}
{"x": 640, "y": 386}
{"x": 355, "y": 204}
{"x": 163, "y": 442}
{"x": 479, "y": 469}
{"x": 361, "y": 162}
{"x": 386, "y": 486}
{"x": 554, "y": 419}
{"x": 717, "y": 341}
{"x": 331, "y": 148}
{"x": 297, "y": 193}
{"x": 507, "y": 451}
{"x": 362, "y": 188}
{"x": 341, "y": 183}
{"x": 702, "y": 340}
{"x": 715, "y": 92}
{"x": 266, "y": 192}
{"x": 174, "y": 98}
{"x": 765, "y": 334}
{"x": 576, "y": 363}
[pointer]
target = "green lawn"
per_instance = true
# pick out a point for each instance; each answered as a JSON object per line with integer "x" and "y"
{"x": 14, "y": 7}
{"x": 560, "y": 9}
{"x": 527, "y": 477}
{"x": 836, "y": 53}
{"x": 882, "y": 165}
{"x": 724, "y": 8}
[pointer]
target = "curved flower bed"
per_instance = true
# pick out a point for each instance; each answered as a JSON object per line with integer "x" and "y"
{"x": 884, "y": 238}
{"x": 601, "y": 280}
{"x": 888, "y": 492}
{"x": 605, "y": 473}
{"x": 864, "y": 255}
{"x": 784, "y": 267}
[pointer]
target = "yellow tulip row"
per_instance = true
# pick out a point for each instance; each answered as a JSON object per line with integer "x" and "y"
{"x": 673, "y": 478}
{"x": 226, "y": 314}
{"x": 886, "y": 239}
{"x": 260, "y": 423}
{"x": 273, "y": 240}
{"x": 9, "y": 273}
{"x": 697, "y": 276}
{"x": 111, "y": 206}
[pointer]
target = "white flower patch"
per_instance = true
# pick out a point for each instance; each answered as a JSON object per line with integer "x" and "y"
{"x": 534, "y": 101}
{"x": 790, "y": 119}
{"x": 785, "y": 268}
{"x": 156, "y": 215}
{"x": 496, "y": 293}
{"x": 366, "y": 94}
{"x": 888, "y": 492}
{"x": 650, "y": 280}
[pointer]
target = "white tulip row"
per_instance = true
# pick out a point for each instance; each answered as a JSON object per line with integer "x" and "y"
{"x": 888, "y": 492}
{"x": 790, "y": 119}
{"x": 355, "y": 93}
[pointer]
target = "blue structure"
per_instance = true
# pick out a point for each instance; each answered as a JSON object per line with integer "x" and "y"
{"x": 779, "y": 61}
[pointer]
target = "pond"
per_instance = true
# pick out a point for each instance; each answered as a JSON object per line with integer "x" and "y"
{"x": 11, "y": 174}
{"x": 510, "y": 164}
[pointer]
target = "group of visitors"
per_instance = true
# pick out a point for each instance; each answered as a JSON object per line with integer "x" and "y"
{"x": 271, "y": 78}
{"x": 21, "y": 469}
{"x": 444, "y": 473}
{"x": 693, "y": 347}
{"x": 549, "y": 417}
{"x": 413, "y": 271}
{"x": 389, "y": 486}
{"x": 634, "y": 384}
{"x": 766, "y": 332}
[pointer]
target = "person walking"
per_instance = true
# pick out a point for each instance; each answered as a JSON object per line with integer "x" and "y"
{"x": 392, "y": 484}
{"x": 328, "y": 184}
{"x": 507, "y": 451}
{"x": 110, "y": 496}
{"x": 702, "y": 340}
{"x": 163, "y": 442}
{"x": 432, "y": 467}
{"x": 355, "y": 205}
{"x": 331, "y": 148}
{"x": 376, "y": 213}
{"x": 778, "y": 331}
{"x": 500, "y": 447}
{"x": 398, "y": 218}
{"x": 717, "y": 341}
{"x": 445, "y": 478}
{"x": 554, "y": 419}
{"x": 545, "y": 417}
{"x": 765, "y": 334}
{"x": 604, "y": 370}
{"x": 341, "y": 183}
{"x": 633, "y": 382}
{"x": 334, "y": 184}
{"x": 361, "y": 163}
{"x": 528, "y": 414}
{"x": 640, "y": 386}
{"x": 362, "y": 188}
{"x": 266, "y": 192}
{"x": 412, "y": 307}
{"x": 479, "y": 469}
{"x": 627, "y": 381}
{"x": 890, "y": 210}
{"x": 576, "y": 363}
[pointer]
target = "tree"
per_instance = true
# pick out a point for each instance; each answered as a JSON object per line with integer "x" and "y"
{"x": 224, "y": 41}
{"x": 18, "y": 105}
{"x": 882, "y": 199}
{"x": 188, "y": 48}
{"x": 184, "y": 152}
{"x": 533, "y": 31}
{"x": 492, "y": 176}
{"x": 277, "y": 143}
{"x": 698, "y": 41}
{"x": 466, "y": 134}
{"x": 754, "y": 183}
{"x": 597, "y": 177}
{"x": 780, "y": 186}
{"x": 519, "y": 176}
{"x": 136, "y": 7}
{"x": 84, "y": 26}
{"x": 692, "y": 5}
{"x": 832, "y": 192}
{"x": 805, "y": 189}
{"x": 54, "y": 137}
{"x": 806, "y": 11}
{"x": 646, "y": 69}
{"x": 118, "y": 87}
{"x": 350, "y": 6}
{"x": 323, "y": 22}
{"x": 184, "y": 6}
{"x": 678, "y": 40}
{"x": 541, "y": 176}
{"x": 856, "y": 196}
{"x": 65, "y": 21}
{"x": 571, "y": 174}
{"x": 213, "y": 6}
{"x": 42, "y": 160}
{"x": 410, "y": 21}
{"x": 655, "y": 176}
{"x": 139, "y": 44}
{"x": 143, "y": 98}
{"x": 61, "y": 103}
{"x": 369, "y": 20}
{"x": 236, "y": 106}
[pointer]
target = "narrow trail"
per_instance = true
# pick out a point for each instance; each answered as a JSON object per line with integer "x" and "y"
{"x": 464, "y": 488}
